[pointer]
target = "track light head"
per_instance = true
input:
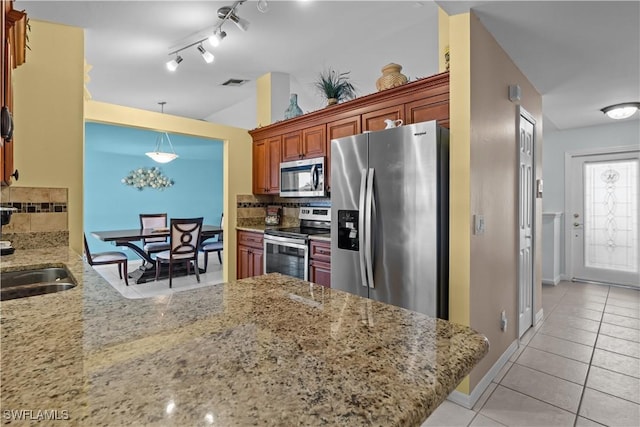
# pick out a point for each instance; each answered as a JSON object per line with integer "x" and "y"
{"x": 217, "y": 37}
{"x": 227, "y": 13}
{"x": 206, "y": 55}
{"x": 173, "y": 64}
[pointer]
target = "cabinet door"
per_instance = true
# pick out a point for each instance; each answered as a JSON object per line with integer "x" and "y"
{"x": 256, "y": 262}
{"x": 259, "y": 167}
{"x": 291, "y": 146}
{"x": 320, "y": 273}
{"x": 338, "y": 129}
{"x": 244, "y": 262}
{"x": 314, "y": 142}
{"x": 272, "y": 168}
{"x": 374, "y": 120}
{"x": 427, "y": 109}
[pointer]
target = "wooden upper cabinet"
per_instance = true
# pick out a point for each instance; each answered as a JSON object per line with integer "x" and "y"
{"x": 305, "y": 144}
{"x": 291, "y": 146}
{"x": 375, "y": 119}
{"x": 14, "y": 32}
{"x": 266, "y": 166}
{"x": 259, "y": 167}
{"x": 273, "y": 165}
{"x": 424, "y": 110}
{"x": 314, "y": 142}
{"x": 310, "y": 135}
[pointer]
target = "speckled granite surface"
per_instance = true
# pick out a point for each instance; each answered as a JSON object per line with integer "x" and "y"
{"x": 270, "y": 350}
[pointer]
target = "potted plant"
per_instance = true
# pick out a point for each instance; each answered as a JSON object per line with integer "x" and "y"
{"x": 335, "y": 86}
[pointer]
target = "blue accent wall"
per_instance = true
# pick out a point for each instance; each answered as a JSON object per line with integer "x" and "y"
{"x": 112, "y": 152}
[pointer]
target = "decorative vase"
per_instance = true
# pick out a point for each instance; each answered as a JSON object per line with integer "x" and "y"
{"x": 391, "y": 77}
{"x": 332, "y": 101}
{"x": 293, "y": 110}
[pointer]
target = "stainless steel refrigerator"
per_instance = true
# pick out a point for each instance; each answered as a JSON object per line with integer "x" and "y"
{"x": 390, "y": 216}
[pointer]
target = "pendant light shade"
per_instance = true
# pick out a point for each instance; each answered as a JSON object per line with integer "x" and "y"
{"x": 162, "y": 156}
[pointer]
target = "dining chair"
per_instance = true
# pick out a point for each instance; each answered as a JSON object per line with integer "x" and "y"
{"x": 214, "y": 246}
{"x": 112, "y": 257}
{"x": 184, "y": 241}
{"x": 152, "y": 245}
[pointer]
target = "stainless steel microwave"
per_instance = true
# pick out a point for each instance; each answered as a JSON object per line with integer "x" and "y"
{"x": 303, "y": 178}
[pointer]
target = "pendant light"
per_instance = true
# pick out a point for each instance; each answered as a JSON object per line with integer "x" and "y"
{"x": 158, "y": 155}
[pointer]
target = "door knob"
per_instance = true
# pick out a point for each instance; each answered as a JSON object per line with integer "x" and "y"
{"x": 576, "y": 224}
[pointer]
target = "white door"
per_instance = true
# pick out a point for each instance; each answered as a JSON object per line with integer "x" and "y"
{"x": 604, "y": 217}
{"x": 525, "y": 222}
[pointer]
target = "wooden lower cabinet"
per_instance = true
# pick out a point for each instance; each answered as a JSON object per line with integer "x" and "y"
{"x": 250, "y": 254}
{"x": 320, "y": 263}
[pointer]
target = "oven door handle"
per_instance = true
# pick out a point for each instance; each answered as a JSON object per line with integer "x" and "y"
{"x": 285, "y": 241}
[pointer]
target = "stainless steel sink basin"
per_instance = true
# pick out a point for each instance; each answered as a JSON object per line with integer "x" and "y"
{"x": 28, "y": 283}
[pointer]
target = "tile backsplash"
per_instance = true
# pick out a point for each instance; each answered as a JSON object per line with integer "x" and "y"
{"x": 41, "y": 219}
{"x": 252, "y": 209}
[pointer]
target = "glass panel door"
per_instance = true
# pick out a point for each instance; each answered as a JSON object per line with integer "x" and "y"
{"x": 605, "y": 218}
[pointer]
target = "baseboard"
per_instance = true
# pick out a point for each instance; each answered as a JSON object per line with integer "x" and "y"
{"x": 539, "y": 317}
{"x": 553, "y": 281}
{"x": 565, "y": 277}
{"x": 468, "y": 400}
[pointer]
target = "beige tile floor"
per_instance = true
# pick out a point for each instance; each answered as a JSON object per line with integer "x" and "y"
{"x": 161, "y": 287}
{"x": 579, "y": 367}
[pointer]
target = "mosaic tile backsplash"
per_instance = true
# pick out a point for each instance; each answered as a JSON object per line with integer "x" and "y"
{"x": 41, "y": 219}
{"x": 252, "y": 209}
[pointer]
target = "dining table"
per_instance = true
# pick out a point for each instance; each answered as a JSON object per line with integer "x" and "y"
{"x": 128, "y": 238}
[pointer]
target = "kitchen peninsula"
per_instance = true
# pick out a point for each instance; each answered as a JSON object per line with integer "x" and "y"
{"x": 268, "y": 350}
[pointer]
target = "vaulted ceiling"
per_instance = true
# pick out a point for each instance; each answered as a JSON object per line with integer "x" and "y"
{"x": 580, "y": 55}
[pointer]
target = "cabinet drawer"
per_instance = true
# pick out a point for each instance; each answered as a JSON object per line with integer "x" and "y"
{"x": 320, "y": 251}
{"x": 248, "y": 238}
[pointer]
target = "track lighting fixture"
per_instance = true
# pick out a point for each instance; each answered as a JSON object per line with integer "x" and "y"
{"x": 206, "y": 55}
{"x": 621, "y": 111}
{"x": 173, "y": 64}
{"x": 224, "y": 13}
{"x": 228, "y": 12}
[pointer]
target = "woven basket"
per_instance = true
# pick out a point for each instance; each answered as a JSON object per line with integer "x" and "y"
{"x": 391, "y": 77}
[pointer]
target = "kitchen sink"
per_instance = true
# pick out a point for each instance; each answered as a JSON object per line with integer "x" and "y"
{"x": 28, "y": 283}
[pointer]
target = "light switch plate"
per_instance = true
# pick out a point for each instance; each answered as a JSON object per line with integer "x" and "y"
{"x": 478, "y": 224}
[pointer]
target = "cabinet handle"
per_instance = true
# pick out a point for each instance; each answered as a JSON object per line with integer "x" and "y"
{"x": 16, "y": 174}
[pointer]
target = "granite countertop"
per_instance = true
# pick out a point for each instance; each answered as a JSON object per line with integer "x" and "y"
{"x": 323, "y": 237}
{"x": 269, "y": 350}
{"x": 261, "y": 228}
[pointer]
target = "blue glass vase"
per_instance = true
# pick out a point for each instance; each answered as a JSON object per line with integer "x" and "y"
{"x": 293, "y": 110}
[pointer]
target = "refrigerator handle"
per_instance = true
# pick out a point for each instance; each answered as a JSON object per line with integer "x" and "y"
{"x": 361, "y": 231}
{"x": 368, "y": 252}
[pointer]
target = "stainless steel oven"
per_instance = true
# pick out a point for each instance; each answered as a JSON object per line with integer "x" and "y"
{"x": 286, "y": 255}
{"x": 303, "y": 178}
{"x": 286, "y": 250}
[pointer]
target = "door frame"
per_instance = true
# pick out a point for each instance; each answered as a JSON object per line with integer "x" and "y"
{"x": 568, "y": 193}
{"x": 522, "y": 113}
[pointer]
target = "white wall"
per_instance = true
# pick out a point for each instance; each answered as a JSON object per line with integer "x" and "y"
{"x": 557, "y": 143}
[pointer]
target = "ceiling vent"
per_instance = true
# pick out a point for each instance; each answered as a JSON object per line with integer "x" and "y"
{"x": 234, "y": 82}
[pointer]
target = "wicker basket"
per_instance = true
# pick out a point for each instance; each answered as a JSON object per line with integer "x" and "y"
{"x": 391, "y": 77}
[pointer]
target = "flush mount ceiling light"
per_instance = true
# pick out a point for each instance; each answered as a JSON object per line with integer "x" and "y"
{"x": 621, "y": 111}
{"x": 225, "y": 13}
{"x": 158, "y": 155}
